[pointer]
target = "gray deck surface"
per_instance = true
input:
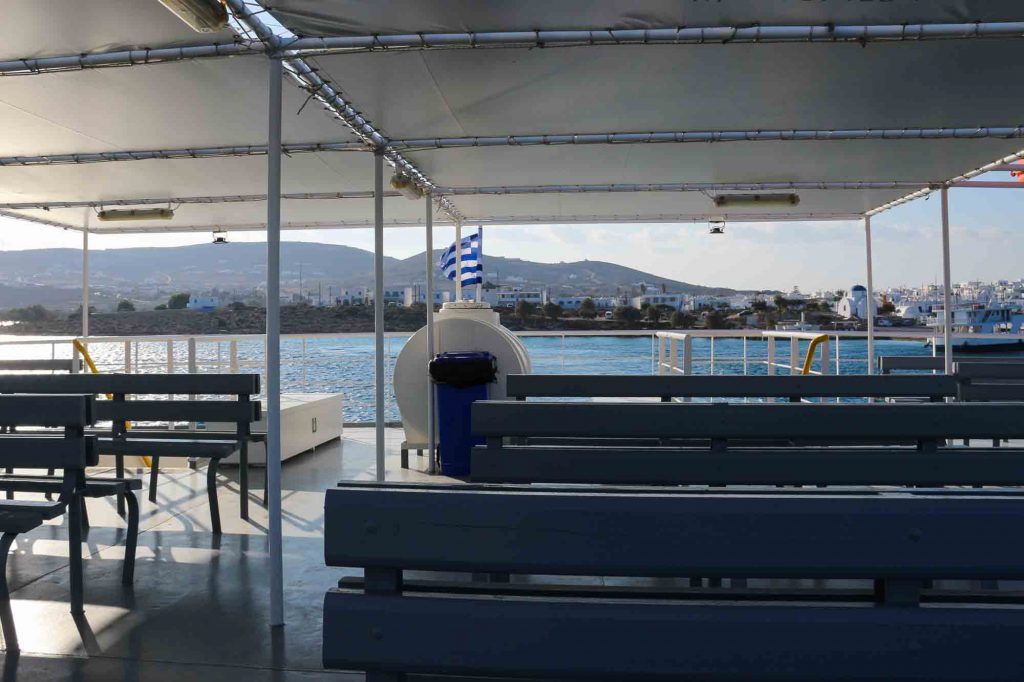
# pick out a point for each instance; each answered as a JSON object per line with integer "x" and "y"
{"x": 199, "y": 607}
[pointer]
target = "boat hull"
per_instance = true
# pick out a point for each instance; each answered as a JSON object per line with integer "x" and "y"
{"x": 986, "y": 346}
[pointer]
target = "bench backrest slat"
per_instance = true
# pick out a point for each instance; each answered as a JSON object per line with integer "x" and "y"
{"x": 782, "y": 386}
{"x": 133, "y": 384}
{"x": 178, "y": 410}
{"x": 39, "y": 365}
{"x": 788, "y": 420}
{"x": 524, "y": 530}
{"x": 972, "y": 371}
{"x": 47, "y": 410}
{"x": 900, "y": 466}
{"x": 47, "y": 452}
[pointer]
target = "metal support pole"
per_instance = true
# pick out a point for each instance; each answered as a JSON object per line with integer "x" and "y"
{"x": 429, "y": 292}
{"x": 378, "y": 304}
{"x": 85, "y": 276}
{"x": 458, "y": 260}
{"x": 871, "y": 295}
{"x": 947, "y": 297}
{"x": 274, "y": 346}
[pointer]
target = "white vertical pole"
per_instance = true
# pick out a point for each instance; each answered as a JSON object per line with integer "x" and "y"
{"x": 274, "y": 346}
{"x": 429, "y": 222}
{"x": 85, "y": 277}
{"x": 458, "y": 260}
{"x": 947, "y": 297}
{"x": 871, "y": 295}
{"x": 480, "y": 259}
{"x": 378, "y": 303}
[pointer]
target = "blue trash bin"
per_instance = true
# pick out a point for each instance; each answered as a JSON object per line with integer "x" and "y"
{"x": 461, "y": 379}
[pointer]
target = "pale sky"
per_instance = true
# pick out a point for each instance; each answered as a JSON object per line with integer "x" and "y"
{"x": 986, "y": 235}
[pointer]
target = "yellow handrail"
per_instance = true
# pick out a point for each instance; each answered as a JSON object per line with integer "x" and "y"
{"x": 811, "y": 347}
{"x": 80, "y": 347}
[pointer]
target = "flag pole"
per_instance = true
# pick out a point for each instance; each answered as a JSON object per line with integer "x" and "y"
{"x": 480, "y": 261}
{"x": 458, "y": 260}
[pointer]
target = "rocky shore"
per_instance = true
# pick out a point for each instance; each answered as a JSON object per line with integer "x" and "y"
{"x": 294, "y": 320}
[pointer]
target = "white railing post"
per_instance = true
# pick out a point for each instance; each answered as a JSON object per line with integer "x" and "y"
{"x": 660, "y": 340}
{"x": 170, "y": 357}
{"x": 838, "y": 365}
{"x": 825, "y": 355}
{"x": 687, "y": 355}
{"x": 233, "y": 356}
{"x": 794, "y": 351}
{"x": 771, "y": 355}
{"x": 673, "y": 354}
{"x": 127, "y": 357}
{"x": 712, "y": 355}
{"x": 745, "y": 367}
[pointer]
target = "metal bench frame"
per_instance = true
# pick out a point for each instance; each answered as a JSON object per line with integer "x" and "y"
{"x": 243, "y": 411}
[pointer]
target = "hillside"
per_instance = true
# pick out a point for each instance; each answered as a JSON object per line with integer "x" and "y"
{"x": 53, "y": 276}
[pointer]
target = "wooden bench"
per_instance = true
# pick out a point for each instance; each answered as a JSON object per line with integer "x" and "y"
{"x": 157, "y": 443}
{"x": 790, "y": 387}
{"x": 390, "y": 625}
{"x": 601, "y": 459}
{"x": 69, "y": 450}
{"x": 989, "y": 381}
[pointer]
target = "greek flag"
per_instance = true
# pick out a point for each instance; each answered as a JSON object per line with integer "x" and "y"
{"x": 472, "y": 266}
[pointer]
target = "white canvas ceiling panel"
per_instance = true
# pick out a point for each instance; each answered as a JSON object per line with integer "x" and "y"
{"x": 659, "y": 206}
{"x": 839, "y": 161}
{"x": 182, "y": 178}
{"x": 46, "y": 28}
{"x": 683, "y": 88}
{"x": 323, "y": 213}
{"x": 354, "y": 17}
{"x": 197, "y": 103}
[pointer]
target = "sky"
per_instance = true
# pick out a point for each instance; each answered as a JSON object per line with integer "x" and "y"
{"x": 986, "y": 236}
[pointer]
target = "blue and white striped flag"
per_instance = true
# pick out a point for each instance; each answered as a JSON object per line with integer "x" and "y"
{"x": 472, "y": 265}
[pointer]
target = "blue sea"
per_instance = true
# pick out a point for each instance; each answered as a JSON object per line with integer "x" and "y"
{"x": 344, "y": 364}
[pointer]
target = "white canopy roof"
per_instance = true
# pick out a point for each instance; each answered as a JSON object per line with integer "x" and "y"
{"x": 426, "y": 94}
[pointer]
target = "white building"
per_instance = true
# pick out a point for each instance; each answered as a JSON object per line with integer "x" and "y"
{"x": 574, "y": 302}
{"x": 206, "y": 303}
{"x": 855, "y": 305}
{"x": 674, "y": 301}
{"x": 509, "y": 298}
{"x": 417, "y": 293}
{"x": 357, "y": 296}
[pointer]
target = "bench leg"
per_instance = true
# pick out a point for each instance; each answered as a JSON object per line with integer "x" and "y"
{"x": 243, "y": 480}
{"x": 211, "y": 491}
{"x": 119, "y": 473}
{"x": 154, "y": 470}
{"x": 75, "y": 553}
{"x": 6, "y": 616}
{"x": 49, "y": 496}
{"x": 85, "y": 517}
{"x": 9, "y": 471}
{"x": 405, "y": 458}
{"x": 132, "y": 541}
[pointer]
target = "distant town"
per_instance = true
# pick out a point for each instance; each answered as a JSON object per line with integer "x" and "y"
{"x": 640, "y": 305}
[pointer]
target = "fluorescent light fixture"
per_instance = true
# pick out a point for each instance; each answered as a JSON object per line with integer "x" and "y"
{"x": 204, "y": 16}
{"x": 406, "y": 187}
{"x": 119, "y": 214}
{"x": 756, "y": 200}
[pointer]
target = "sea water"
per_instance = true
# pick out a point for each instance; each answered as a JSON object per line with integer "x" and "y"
{"x": 345, "y": 364}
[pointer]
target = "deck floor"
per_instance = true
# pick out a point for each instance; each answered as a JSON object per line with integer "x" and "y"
{"x": 199, "y": 607}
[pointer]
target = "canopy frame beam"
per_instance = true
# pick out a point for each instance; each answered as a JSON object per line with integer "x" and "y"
{"x": 297, "y": 47}
{"x": 308, "y": 78}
